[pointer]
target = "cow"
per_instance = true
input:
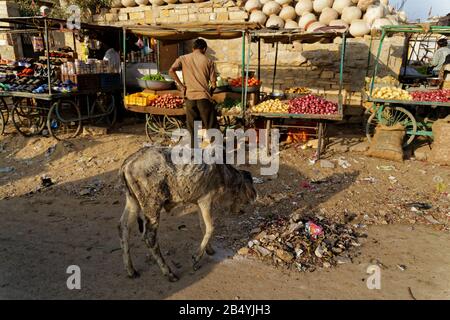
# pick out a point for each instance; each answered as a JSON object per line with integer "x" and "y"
{"x": 153, "y": 183}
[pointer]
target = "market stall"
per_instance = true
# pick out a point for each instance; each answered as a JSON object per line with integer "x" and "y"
{"x": 409, "y": 104}
{"x": 54, "y": 89}
{"x": 159, "y": 99}
{"x": 300, "y": 103}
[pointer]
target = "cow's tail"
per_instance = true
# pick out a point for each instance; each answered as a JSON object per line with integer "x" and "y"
{"x": 131, "y": 192}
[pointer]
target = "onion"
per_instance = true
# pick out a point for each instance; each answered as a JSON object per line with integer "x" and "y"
{"x": 319, "y": 5}
{"x": 287, "y": 13}
{"x": 306, "y": 19}
{"x": 251, "y": 5}
{"x": 271, "y": 8}
{"x": 263, "y": 2}
{"x": 275, "y": 21}
{"x": 303, "y": 6}
{"x": 328, "y": 15}
{"x": 257, "y": 16}
{"x": 359, "y": 28}
{"x": 351, "y": 13}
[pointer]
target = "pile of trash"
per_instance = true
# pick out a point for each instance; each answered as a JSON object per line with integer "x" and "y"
{"x": 304, "y": 243}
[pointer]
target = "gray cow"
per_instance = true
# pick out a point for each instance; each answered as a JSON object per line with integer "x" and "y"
{"x": 153, "y": 182}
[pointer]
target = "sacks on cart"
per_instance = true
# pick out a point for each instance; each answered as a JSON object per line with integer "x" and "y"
{"x": 440, "y": 149}
{"x": 387, "y": 142}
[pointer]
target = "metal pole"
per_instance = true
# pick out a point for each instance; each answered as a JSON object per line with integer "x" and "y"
{"x": 275, "y": 67}
{"x": 259, "y": 59}
{"x": 47, "y": 48}
{"x": 124, "y": 65}
{"x": 377, "y": 62}
{"x": 341, "y": 70}
{"x": 243, "y": 68}
{"x": 244, "y": 106}
{"x": 369, "y": 54}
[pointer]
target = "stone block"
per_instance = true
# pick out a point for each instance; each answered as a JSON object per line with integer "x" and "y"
{"x": 134, "y": 16}
{"x": 238, "y": 15}
{"x": 112, "y": 17}
{"x": 220, "y": 10}
{"x": 123, "y": 17}
{"x": 222, "y": 16}
{"x": 327, "y": 75}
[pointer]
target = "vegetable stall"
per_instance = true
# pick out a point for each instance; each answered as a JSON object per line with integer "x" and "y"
{"x": 54, "y": 89}
{"x": 300, "y": 103}
{"x": 394, "y": 103}
{"x": 161, "y": 101}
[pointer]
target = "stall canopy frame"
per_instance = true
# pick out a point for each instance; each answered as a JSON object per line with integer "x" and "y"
{"x": 191, "y": 31}
{"x": 45, "y": 25}
{"x": 322, "y": 35}
{"x": 405, "y": 29}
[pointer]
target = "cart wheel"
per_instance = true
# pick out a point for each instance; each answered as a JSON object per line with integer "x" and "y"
{"x": 159, "y": 129}
{"x": 391, "y": 116}
{"x": 4, "y": 110}
{"x": 64, "y": 120}
{"x": 27, "y": 120}
{"x": 2, "y": 123}
{"x": 107, "y": 105}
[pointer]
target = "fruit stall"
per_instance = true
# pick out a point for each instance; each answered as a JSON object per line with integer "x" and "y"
{"x": 413, "y": 105}
{"x": 285, "y": 111}
{"x": 162, "y": 102}
{"x": 51, "y": 88}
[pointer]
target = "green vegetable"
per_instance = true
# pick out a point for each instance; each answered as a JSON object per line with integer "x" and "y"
{"x": 153, "y": 77}
{"x": 229, "y": 103}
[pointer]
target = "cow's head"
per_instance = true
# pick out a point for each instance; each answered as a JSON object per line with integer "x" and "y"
{"x": 247, "y": 193}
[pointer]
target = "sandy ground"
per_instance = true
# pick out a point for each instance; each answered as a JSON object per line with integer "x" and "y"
{"x": 73, "y": 222}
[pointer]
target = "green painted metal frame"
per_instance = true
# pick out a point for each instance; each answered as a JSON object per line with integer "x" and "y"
{"x": 402, "y": 29}
{"x": 386, "y": 30}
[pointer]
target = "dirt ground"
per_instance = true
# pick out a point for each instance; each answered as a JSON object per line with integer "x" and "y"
{"x": 73, "y": 222}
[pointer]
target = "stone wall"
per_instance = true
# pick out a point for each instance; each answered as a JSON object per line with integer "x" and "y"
{"x": 310, "y": 65}
{"x": 10, "y": 45}
{"x": 211, "y": 11}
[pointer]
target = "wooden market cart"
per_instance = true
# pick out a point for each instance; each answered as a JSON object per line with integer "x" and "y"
{"x": 161, "y": 122}
{"x": 282, "y": 120}
{"x": 61, "y": 113}
{"x": 404, "y": 112}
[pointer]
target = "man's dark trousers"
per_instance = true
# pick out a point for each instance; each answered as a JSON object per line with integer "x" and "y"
{"x": 200, "y": 110}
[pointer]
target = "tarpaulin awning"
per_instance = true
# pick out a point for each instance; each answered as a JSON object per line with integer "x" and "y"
{"x": 322, "y": 35}
{"x": 181, "y": 32}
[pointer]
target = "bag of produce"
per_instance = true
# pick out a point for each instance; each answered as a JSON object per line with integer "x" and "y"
{"x": 440, "y": 152}
{"x": 387, "y": 143}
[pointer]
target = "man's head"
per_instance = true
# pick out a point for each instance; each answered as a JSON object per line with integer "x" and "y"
{"x": 200, "y": 45}
{"x": 442, "y": 43}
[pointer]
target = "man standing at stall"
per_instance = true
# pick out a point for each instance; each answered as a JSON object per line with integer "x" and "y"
{"x": 199, "y": 77}
{"x": 439, "y": 56}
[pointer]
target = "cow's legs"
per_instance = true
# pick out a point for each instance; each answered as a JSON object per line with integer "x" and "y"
{"x": 128, "y": 217}
{"x": 151, "y": 229}
{"x": 205, "y": 209}
{"x": 209, "y": 249}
